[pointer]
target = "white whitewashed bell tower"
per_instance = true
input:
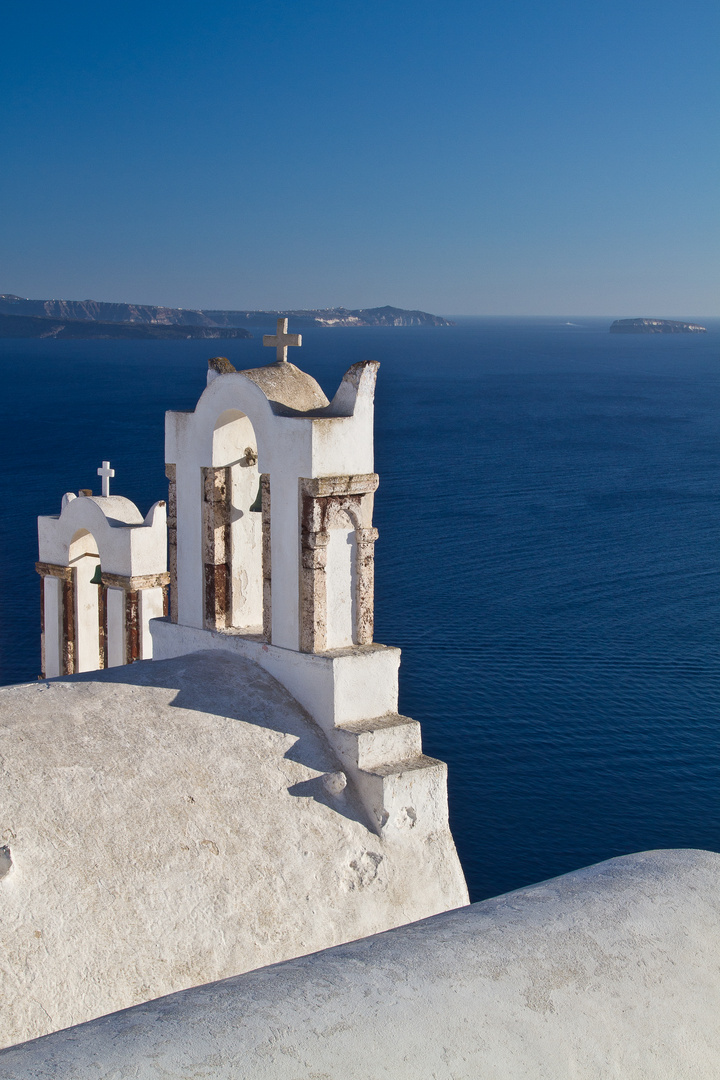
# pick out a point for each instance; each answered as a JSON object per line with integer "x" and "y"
{"x": 103, "y": 569}
{"x": 271, "y": 544}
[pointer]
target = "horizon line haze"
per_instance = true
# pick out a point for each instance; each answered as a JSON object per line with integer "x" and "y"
{"x": 338, "y": 307}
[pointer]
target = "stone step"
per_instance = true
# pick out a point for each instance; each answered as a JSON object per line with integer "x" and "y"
{"x": 369, "y": 744}
{"x": 403, "y": 795}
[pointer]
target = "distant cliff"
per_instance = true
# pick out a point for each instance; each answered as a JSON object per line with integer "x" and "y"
{"x": 29, "y": 326}
{"x": 655, "y": 326}
{"x": 146, "y": 314}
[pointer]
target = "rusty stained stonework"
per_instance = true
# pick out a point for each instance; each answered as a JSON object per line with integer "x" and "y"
{"x": 217, "y": 549}
{"x": 43, "y": 665}
{"x": 66, "y": 574}
{"x": 365, "y": 540}
{"x": 102, "y": 626}
{"x": 327, "y": 502}
{"x": 360, "y": 484}
{"x": 132, "y": 626}
{"x": 216, "y": 541}
{"x": 171, "y": 473}
{"x": 266, "y": 558}
{"x": 45, "y": 569}
{"x": 139, "y": 581}
{"x": 69, "y": 640}
{"x": 131, "y": 588}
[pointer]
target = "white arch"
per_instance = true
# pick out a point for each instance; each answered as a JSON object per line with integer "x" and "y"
{"x": 127, "y": 543}
{"x": 235, "y": 393}
{"x": 284, "y": 449}
{"x": 299, "y": 435}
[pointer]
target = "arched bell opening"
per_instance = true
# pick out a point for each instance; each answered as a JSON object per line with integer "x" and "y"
{"x": 337, "y": 562}
{"x": 233, "y": 528}
{"x": 84, "y": 559}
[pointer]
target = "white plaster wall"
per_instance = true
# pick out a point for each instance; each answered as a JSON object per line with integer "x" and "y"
{"x": 233, "y": 432}
{"x": 52, "y": 601}
{"x": 364, "y": 688}
{"x": 189, "y": 547}
{"x": 148, "y": 544}
{"x": 285, "y": 559}
{"x": 116, "y": 627}
{"x": 609, "y": 973}
{"x": 246, "y": 536}
{"x": 341, "y": 578}
{"x": 342, "y": 446}
{"x": 87, "y": 624}
{"x": 151, "y": 604}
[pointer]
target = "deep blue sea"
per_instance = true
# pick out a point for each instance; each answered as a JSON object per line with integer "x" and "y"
{"x": 549, "y": 557}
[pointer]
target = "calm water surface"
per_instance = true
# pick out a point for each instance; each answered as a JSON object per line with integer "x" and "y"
{"x": 549, "y": 557}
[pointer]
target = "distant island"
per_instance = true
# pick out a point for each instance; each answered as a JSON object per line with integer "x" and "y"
{"x": 74, "y": 319}
{"x": 31, "y": 326}
{"x": 655, "y": 326}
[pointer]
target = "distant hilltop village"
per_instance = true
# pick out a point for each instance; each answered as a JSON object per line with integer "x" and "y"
{"x": 655, "y": 326}
{"x": 96, "y": 319}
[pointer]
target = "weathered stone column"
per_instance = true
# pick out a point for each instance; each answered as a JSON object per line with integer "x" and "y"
{"x": 365, "y": 585}
{"x": 132, "y": 630}
{"x": 58, "y": 634}
{"x": 216, "y": 543}
{"x": 102, "y": 626}
{"x": 171, "y": 473}
{"x": 313, "y": 591}
{"x": 323, "y": 502}
{"x": 266, "y": 557}
{"x": 43, "y": 665}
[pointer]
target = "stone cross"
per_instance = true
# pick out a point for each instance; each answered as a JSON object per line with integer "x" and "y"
{"x": 106, "y": 472}
{"x": 281, "y": 340}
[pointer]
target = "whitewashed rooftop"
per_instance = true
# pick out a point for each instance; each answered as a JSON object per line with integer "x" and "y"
{"x": 609, "y": 973}
{"x": 170, "y": 823}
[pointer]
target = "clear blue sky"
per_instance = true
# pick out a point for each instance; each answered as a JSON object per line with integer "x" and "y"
{"x": 506, "y": 157}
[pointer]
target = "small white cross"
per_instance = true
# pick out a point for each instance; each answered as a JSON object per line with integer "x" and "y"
{"x": 106, "y": 472}
{"x": 281, "y": 340}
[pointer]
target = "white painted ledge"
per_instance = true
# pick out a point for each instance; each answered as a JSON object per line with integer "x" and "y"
{"x": 335, "y": 688}
{"x": 609, "y": 972}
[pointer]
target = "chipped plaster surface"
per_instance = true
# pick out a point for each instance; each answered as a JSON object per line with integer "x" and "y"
{"x": 169, "y": 824}
{"x": 609, "y": 973}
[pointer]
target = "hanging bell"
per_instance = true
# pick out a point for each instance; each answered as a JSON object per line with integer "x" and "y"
{"x": 96, "y": 579}
{"x": 256, "y": 507}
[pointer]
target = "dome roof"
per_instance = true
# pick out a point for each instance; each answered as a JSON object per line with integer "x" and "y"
{"x": 285, "y": 385}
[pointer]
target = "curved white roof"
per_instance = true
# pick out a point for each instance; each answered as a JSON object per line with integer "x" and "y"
{"x": 168, "y": 824}
{"x": 608, "y": 972}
